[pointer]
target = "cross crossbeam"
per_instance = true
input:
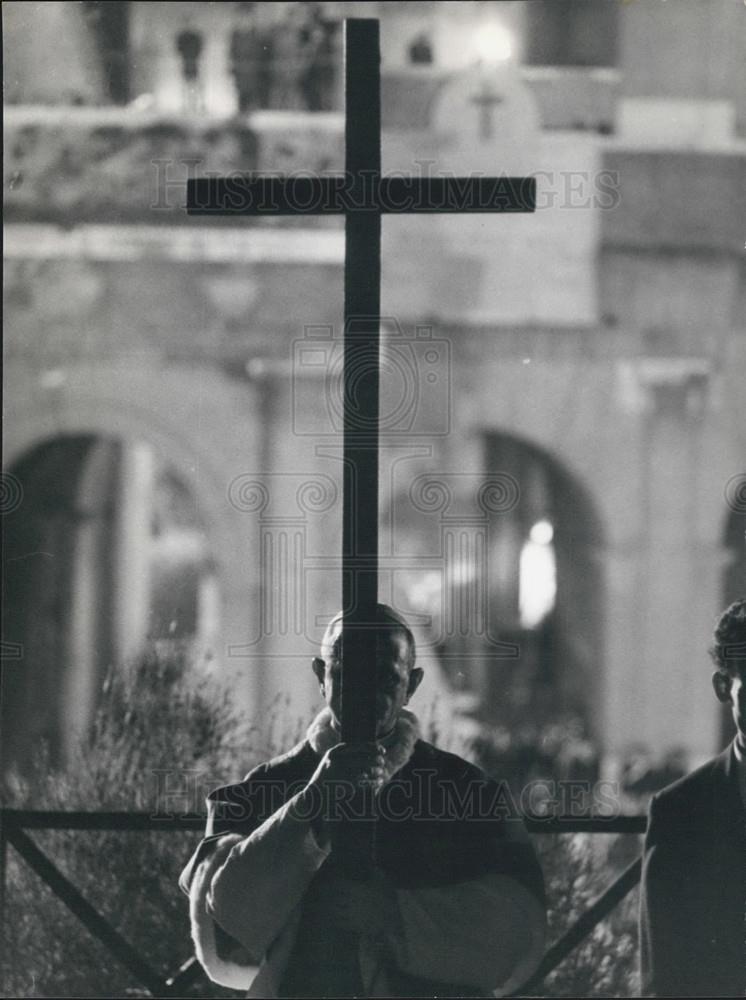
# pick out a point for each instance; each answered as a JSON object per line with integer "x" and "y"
{"x": 362, "y": 194}
{"x": 363, "y": 191}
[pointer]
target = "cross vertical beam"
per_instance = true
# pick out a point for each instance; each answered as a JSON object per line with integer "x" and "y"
{"x": 362, "y": 307}
{"x": 362, "y": 195}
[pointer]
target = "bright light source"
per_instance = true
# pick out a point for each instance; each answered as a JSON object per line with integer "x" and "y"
{"x": 542, "y": 533}
{"x": 493, "y": 43}
{"x": 463, "y": 572}
{"x": 537, "y": 589}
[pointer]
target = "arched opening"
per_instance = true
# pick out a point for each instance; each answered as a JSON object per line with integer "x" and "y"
{"x": 734, "y": 587}
{"x": 517, "y": 603}
{"x": 544, "y": 586}
{"x": 105, "y": 556}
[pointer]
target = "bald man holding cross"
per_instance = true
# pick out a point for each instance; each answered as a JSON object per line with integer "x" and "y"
{"x": 453, "y": 904}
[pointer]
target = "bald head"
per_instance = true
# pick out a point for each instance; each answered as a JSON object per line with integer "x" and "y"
{"x": 397, "y": 677}
{"x": 387, "y": 621}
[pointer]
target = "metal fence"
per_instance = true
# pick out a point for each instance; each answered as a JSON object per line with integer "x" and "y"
{"x": 15, "y": 824}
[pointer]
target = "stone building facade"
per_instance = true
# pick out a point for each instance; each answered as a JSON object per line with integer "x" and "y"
{"x": 170, "y": 440}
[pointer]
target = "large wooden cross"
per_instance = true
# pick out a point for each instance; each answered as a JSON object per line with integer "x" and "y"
{"x": 362, "y": 195}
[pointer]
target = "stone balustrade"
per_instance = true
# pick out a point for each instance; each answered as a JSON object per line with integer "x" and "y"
{"x": 77, "y": 165}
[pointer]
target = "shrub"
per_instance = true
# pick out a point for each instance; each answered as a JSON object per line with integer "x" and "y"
{"x": 577, "y": 869}
{"x": 162, "y": 737}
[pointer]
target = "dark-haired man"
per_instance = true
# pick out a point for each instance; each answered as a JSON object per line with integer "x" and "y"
{"x": 693, "y": 899}
{"x": 456, "y": 903}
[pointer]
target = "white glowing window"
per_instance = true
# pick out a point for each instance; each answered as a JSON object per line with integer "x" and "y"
{"x": 538, "y": 576}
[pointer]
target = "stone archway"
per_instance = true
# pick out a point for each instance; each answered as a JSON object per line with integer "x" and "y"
{"x": 506, "y": 565}
{"x": 201, "y": 423}
{"x": 546, "y": 583}
{"x": 105, "y": 557}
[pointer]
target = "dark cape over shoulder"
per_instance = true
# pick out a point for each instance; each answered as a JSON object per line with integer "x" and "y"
{"x": 440, "y": 819}
{"x": 693, "y": 891}
{"x": 442, "y": 826}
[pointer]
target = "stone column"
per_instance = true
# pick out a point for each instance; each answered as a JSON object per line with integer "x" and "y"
{"x": 131, "y": 550}
{"x": 89, "y": 649}
{"x": 676, "y": 708}
{"x": 622, "y": 691}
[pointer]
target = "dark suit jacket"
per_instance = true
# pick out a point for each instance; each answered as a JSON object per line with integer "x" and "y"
{"x": 693, "y": 891}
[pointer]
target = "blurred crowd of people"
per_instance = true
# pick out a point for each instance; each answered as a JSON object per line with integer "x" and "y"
{"x": 288, "y": 64}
